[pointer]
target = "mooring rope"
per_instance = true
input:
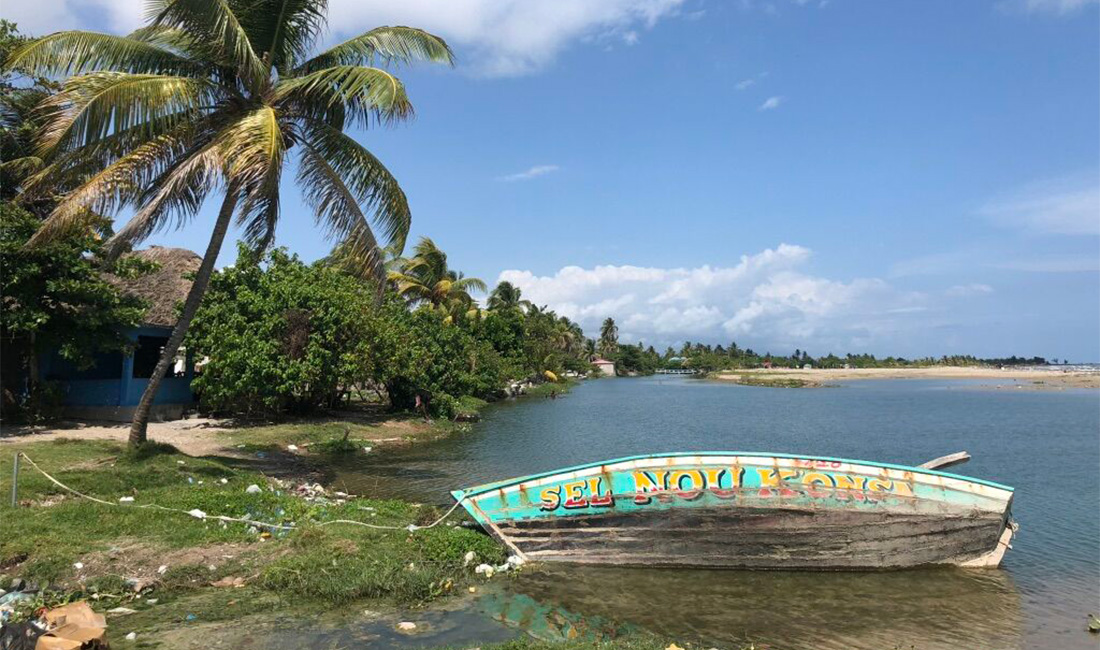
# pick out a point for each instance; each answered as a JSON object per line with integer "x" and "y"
{"x": 198, "y": 514}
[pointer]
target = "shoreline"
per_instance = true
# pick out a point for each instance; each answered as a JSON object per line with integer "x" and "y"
{"x": 821, "y": 377}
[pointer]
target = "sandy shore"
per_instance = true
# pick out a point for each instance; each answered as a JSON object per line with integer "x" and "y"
{"x": 1030, "y": 379}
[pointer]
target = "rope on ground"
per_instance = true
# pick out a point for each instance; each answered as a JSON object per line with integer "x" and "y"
{"x": 199, "y": 514}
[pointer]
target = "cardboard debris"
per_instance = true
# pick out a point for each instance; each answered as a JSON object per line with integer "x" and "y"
{"x": 73, "y": 627}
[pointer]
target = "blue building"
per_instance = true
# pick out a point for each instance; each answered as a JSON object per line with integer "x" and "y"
{"x": 112, "y": 388}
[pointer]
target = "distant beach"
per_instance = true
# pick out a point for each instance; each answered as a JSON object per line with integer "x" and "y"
{"x": 1053, "y": 378}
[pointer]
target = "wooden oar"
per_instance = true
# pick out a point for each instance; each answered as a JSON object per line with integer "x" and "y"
{"x": 956, "y": 458}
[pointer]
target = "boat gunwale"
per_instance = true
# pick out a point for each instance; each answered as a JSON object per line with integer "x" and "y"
{"x": 496, "y": 485}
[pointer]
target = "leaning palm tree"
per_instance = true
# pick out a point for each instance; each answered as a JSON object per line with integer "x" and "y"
{"x": 425, "y": 279}
{"x": 214, "y": 96}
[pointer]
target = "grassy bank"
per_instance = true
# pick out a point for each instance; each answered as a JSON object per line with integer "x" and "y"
{"x": 81, "y": 547}
{"x": 367, "y": 428}
{"x": 769, "y": 380}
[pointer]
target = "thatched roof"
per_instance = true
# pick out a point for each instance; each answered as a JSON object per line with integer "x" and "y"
{"x": 164, "y": 288}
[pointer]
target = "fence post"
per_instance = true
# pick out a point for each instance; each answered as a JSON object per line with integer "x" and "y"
{"x": 15, "y": 481}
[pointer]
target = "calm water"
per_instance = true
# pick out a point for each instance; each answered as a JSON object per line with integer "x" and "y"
{"x": 1045, "y": 444}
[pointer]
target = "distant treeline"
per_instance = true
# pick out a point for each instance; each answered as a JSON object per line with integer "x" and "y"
{"x": 645, "y": 360}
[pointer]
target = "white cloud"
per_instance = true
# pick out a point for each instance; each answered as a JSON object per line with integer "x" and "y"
{"x": 506, "y": 37}
{"x": 491, "y": 37}
{"x": 1069, "y": 206}
{"x": 1053, "y": 6}
{"x": 534, "y": 172}
{"x": 771, "y": 103}
{"x": 765, "y": 298}
{"x": 744, "y": 84}
{"x": 965, "y": 290}
{"x": 38, "y": 18}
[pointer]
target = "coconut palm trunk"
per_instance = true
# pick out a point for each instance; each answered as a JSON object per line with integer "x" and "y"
{"x": 140, "y": 424}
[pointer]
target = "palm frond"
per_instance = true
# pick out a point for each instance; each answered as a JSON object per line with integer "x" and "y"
{"x": 111, "y": 188}
{"x": 282, "y": 31}
{"x": 254, "y": 150}
{"x": 92, "y": 106}
{"x": 177, "y": 191}
{"x": 213, "y": 23}
{"x": 373, "y": 186}
{"x": 361, "y": 92}
{"x": 337, "y": 210}
{"x": 71, "y": 53}
{"x": 466, "y": 284}
{"x": 384, "y": 45}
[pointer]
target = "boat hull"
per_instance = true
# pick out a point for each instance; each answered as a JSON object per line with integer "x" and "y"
{"x": 748, "y": 511}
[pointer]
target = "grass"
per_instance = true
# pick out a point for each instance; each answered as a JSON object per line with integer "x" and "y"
{"x": 307, "y": 434}
{"x": 773, "y": 381}
{"x": 559, "y": 387}
{"x": 42, "y": 539}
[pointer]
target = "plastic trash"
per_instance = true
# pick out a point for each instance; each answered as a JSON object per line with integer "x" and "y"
{"x": 126, "y": 499}
{"x": 253, "y": 489}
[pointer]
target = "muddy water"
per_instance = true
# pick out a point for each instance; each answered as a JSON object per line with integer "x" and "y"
{"x": 1046, "y": 444}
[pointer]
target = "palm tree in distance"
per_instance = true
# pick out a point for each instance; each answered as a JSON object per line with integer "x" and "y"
{"x": 507, "y": 296}
{"x": 609, "y": 337}
{"x": 425, "y": 279}
{"x": 212, "y": 97}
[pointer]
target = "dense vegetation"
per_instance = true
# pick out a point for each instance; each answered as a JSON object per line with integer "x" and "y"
{"x": 55, "y": 298}
{"x": 280, "y": 335}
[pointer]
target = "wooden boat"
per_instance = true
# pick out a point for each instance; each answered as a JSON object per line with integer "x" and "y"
{"x": 749, "y": 510}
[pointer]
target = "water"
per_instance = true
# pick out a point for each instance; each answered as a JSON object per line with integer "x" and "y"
{"x": 1044, "y": 443}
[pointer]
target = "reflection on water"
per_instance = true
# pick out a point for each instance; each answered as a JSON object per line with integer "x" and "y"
{"x": 924, "y": 610}
{"x": 542, "y": 618}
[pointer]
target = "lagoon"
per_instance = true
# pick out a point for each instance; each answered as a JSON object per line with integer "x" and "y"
{"x": 1044, "y": 443}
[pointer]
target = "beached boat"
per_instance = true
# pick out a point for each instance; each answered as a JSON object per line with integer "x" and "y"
{"x": 749, "y": 510}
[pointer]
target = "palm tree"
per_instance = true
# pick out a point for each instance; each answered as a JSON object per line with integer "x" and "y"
{"x": 425, "y": 279}
{"x": 609, "y": 336}
{"x": 213, "y": 95}
{"x": 590, "y": 348}
{"x": 507, "y": 296}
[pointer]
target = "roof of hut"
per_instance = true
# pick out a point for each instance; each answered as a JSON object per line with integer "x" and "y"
{"x": 164, "y": 288}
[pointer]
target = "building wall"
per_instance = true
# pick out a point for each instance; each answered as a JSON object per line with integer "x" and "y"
{"x": 608, "y": 369}
{"x": 112, "y": 383}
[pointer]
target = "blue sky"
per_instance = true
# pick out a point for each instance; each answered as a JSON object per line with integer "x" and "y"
{"x": 915, "y": 178}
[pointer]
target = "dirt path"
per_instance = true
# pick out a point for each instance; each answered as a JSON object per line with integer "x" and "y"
{"x": 194, "y": 437}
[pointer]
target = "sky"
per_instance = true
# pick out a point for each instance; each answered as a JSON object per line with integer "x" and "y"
{"x": 902, "y": 178}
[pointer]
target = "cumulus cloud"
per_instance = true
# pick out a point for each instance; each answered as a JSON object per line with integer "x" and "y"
{"x": 765, "y": 298}
{"x": 508, "y": 37}
{"x": 491, "y": 37}
{"x": 771, "y": 103}
{"x": 1068, "y": 206}
{"x": 534, "y": 172}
